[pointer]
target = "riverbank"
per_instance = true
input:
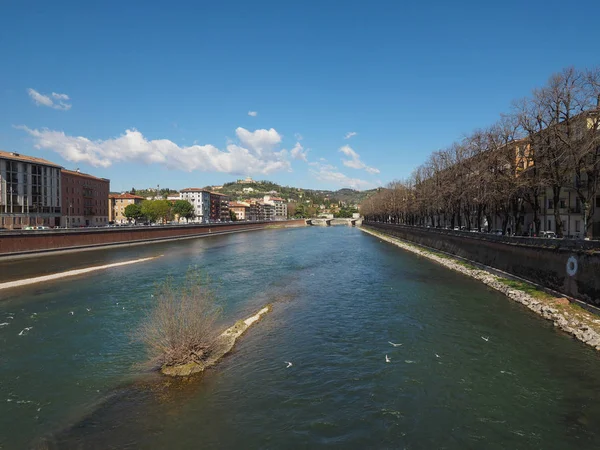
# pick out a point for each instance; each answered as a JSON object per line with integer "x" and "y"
{"x": 566, "y": 315}
{"x": 31, "y": 244}
{"x": 223, "y": 345}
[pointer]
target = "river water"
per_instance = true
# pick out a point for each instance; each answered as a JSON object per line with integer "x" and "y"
{"x": 339, "y": 295}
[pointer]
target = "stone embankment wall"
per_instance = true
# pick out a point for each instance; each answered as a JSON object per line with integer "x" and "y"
{"x": 566, "y": 266}
{"x": 23, "y": 242}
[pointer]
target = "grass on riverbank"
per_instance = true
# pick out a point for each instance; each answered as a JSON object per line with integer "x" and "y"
{"x": 527, "y": 288}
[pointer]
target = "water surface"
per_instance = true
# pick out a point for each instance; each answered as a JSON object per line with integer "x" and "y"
{"x": 340, "y": 295}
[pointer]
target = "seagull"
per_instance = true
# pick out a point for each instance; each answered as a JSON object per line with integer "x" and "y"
{"x": 123, "y": 308}
{"x": 72, "y": 313}
{"x": 24, "y": 330}
{"x": 395, "y": 345}
{"x": 437, "y": 356}
{"x": 3, "y": 324}
{"x": 151, "y": 296}
{"x": 387, "y": 359}
{"x": 289, "y": 364}
{"x": 88, "y": 309}
{"x": 485, "y": 338}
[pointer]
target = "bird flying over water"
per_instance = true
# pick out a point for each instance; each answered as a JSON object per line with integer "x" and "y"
{"x": 437, "y": 356}
{"x": 289, "y": 364}
{"x": 395, "y": 345}
{"x": 485, "y": 338}
{"x": 25, "y": 330}
{"x": 387, "y": 359}
{"x": 3, "y": 324}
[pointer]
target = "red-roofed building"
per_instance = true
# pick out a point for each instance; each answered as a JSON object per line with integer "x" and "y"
{"x": 117, "y": 204}
{"x": 84, "y": 199}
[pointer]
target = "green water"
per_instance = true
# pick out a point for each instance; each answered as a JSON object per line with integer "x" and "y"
{"x": 339, "y": 296}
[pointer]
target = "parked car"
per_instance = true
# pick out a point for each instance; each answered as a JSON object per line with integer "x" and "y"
{"x": 497, "y": 232}
{"x": 548, "y": 234}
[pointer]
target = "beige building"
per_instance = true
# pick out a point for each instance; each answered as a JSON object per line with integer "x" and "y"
{"x": 118, "y": 203}
{"x": 30, "y": 191}
{"x": 240, "y": 209}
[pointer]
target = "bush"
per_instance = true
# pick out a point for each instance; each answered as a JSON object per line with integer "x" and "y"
{"x": 181, "y": 326}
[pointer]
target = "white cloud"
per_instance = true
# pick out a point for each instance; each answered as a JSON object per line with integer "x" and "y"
{"x": 350, "y": 134}
{"x": 59, "y": 102}
{"x": 329, "y": 173}
{"x": 255, "y": 154}
{"x": 298, "y": 152}
{"x": 252, "y": 113}
{"x": 354, "y": 162}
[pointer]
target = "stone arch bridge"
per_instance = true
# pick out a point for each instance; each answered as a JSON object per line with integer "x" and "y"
{"x": 333, "y": 222}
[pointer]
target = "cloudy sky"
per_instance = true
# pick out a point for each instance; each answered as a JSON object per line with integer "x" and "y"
{"x": 315, "y": 94}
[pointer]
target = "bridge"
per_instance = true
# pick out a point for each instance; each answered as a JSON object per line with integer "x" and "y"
{"x": 333, "y": 222}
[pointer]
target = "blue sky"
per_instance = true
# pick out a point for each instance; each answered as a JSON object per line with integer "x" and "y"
{"x": 160, "y": 93}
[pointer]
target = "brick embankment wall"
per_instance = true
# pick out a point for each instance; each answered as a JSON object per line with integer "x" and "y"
{"x": 23, "y": 242}
{"x": 569, "y": 267}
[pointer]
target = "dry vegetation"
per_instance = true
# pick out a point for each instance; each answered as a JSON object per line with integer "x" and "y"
{"x": 181, "y": 326}
{"x": 548, "y": 142}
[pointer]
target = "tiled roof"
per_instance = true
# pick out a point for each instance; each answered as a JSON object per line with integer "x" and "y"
{"x": 25, "y": 158}
{"x": 126, "y": 195}
{"x": 86, "y": 175}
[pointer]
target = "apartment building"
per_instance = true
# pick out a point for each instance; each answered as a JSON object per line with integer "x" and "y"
{"x": 117, "y": 204}
{"x": 85, "y": 199}
{"x": 30, "y": 191}
{"x": 279, "y": 206}
{"x": 241, "y": 210}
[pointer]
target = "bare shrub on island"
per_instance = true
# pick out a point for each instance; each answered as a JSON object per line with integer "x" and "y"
{"x": 181, "y": 326}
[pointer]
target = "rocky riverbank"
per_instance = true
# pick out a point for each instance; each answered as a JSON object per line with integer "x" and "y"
{"x": 565, "y": 315}
{"x": 223, "y": 345}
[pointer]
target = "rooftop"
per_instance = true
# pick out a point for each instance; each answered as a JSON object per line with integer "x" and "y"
{"x": 126, "y": 195}
{"x": 30, "y": 159}
{"x": 86, "y": 175}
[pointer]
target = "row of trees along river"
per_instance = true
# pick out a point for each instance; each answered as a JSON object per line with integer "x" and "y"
{"x": 548, "y": 142}
{"x": 159, "y": 210}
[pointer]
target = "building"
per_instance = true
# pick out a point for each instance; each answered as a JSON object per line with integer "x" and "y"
{"x": 241, "y": 210}
{"x": 219, "y": 207}
{"x": 174, "y": 197}
{"x": 247, "y": 180}
{"x": 200, "y": 200}
{"x": 30, "y": 191}
{"x": 266, "y": 211}
{"x": 84, "y": 199}
{"x": 279, "y": 205}
{"x": 117, "y": 204}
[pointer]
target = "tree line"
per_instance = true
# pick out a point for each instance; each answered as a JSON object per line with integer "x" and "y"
{"x": 159, "y": 211}
{"x": 546, "y": 143}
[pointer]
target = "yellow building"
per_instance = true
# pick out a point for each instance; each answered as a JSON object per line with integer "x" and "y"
{"x": 118, "y": 203}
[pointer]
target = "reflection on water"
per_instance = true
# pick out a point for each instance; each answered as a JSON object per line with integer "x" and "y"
{"x": 339, "y": 297}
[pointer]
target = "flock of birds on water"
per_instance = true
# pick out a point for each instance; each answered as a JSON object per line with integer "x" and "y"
{"x": 388, "y": 360}
{"x": 24, "y": 331}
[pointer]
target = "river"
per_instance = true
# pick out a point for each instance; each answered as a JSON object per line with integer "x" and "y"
{"x": 74, "y": 381}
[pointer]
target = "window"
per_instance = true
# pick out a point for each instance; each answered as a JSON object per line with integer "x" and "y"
{"x": 563, "y": 203}
{"x": 550, "y": 204}
{"x": 549, "y": 225}
{"x": 578, "y": 226}
{"x": 598, "y": 201}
